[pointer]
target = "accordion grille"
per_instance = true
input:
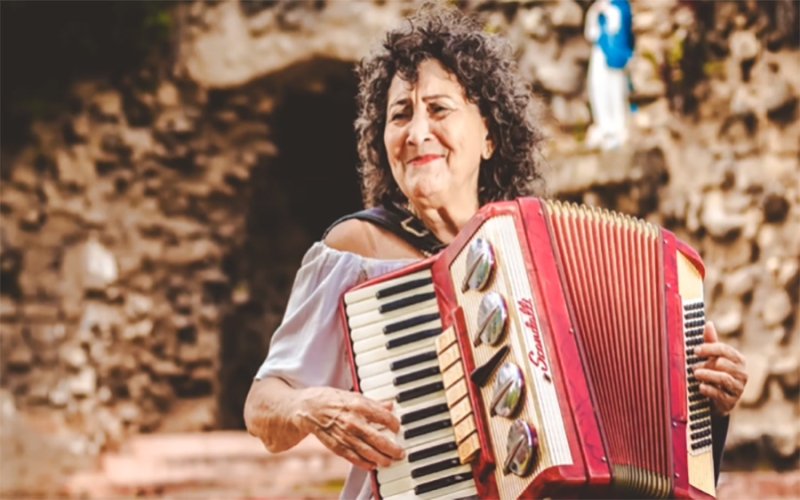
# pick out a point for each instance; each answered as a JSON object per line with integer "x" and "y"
{"x": 541, "y": 406}
{"x": 612, "y": 272}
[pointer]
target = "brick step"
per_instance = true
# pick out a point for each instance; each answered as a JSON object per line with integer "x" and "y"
{"x": 231, "y": 462}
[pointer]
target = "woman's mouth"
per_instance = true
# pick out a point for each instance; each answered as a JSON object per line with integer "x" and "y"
{"x": 422, "y": 160}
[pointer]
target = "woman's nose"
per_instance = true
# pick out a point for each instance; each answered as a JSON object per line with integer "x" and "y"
{"x": 419, "y": 129}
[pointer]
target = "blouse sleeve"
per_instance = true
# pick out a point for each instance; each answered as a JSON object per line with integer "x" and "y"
{"x": 308, "y": 348}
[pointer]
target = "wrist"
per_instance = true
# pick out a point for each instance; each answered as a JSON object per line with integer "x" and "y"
{"x": 305, "y": 408}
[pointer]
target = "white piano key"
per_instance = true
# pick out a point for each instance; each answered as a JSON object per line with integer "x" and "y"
{"x": 369, "y": 292}
{"x": 424, "y": 421}
{"x": 403, "y": 469}
{"x": 400, "y": 468}
{"x": 362, "y": 320}
{"x": 393, "y": 354}
{"x": 389, "y": 391}
{"x": 379, "y": 338}
{"x": 381, "y": 365}
{"x": 376, "y": 328}
{"x": 373, "y": 304}
{"x": 405, "y": 407}
{"x": 371, "y": 370}
{"x": 387, "y": 376}
{"x": 463, "y": 489}
{"x": 407, "y": 484}
{"x": 415, "y": 404}
{"x": 419, "y": 440}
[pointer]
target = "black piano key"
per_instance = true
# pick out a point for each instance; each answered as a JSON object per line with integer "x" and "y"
{"x": 409, "y": 323}
{"x": 698, "y": 406}
{"x": 427, "y": 428}
{"x": 417, "y": 375}
{"x": 408, "y": 301}
{"x": 702, "y": 444}
{"x": 702, "y": 424}
{"x": 418, "y": 392}
{"x": 412, "y": 360}
{"x": 694, "y": 332}
{"x": 417, "y": 415}
{"x": 432, "y": 451}
{"x": 700, "y": 434}
{"x": 441, "y": 483}
{"x": 414, "y": 337}
{"x": 403, "y": 287}
{"x": 435, "y": 467}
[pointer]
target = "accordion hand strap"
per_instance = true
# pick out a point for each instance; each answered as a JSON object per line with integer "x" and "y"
{"x": 400, "y": 222}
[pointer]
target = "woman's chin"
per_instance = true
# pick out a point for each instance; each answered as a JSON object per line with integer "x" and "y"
{"x": 427, "y": 198}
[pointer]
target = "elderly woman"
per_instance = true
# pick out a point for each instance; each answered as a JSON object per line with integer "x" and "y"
{"x": 445, "y": 126}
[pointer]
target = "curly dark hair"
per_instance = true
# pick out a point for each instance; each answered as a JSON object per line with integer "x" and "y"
{"x": 485, "y": 66}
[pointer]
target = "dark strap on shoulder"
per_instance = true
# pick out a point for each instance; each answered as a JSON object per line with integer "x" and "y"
{"x": 400, "y": 222}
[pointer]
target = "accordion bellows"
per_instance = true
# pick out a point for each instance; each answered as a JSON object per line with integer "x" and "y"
{"x": 545, "y": 353}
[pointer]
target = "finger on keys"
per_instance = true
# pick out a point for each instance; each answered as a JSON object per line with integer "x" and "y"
{"x": 710, "y": 346}
{"x": 379, "y": 413}
{"x": 710, "y": 333}
{"x": 722, "y": 380}
{"x": 363, "y": 445}
{"x": 345, "y": 451}
{"x": 383, "y": 444}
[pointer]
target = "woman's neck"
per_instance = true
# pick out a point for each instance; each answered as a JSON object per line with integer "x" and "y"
{"x": 446, "y": 221}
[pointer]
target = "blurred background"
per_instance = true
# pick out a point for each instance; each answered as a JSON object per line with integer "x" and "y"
{"x": 165, "y": 165}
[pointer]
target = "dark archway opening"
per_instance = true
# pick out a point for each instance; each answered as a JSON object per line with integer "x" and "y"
{"x": 295, "y": 196}
{"x": 314, "y": 133}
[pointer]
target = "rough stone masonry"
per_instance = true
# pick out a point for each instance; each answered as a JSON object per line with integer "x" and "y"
{"x": 121, "y": 219}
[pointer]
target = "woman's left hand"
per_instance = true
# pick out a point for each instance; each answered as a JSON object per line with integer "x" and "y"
{"x": 722, "y": 376}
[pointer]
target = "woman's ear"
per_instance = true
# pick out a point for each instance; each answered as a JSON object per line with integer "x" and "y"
{"x": 488, "y": 142}
{"x": 488, "y": 148}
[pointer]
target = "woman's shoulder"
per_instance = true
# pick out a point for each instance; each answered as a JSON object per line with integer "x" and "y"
{"x": 352, "y": 236}
{"x": 369, "y": 240}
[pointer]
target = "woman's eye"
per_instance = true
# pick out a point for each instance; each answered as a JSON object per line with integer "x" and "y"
{"x": 398, "y": 116}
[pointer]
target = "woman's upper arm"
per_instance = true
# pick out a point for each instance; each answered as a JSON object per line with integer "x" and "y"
{"x": 308, "y": 348}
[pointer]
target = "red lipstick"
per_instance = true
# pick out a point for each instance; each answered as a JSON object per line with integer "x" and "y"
{"x": 422, "y": 160}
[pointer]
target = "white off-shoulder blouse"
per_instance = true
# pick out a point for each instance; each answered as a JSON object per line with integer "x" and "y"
{"x": 308, "y": 348}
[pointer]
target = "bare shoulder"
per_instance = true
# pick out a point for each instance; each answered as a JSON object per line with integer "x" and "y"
{"x": 352, "y": 235}
{"x": 368, "y": 240}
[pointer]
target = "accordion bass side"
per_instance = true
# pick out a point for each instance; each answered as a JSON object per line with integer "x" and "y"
{"x": 545, "y": 353}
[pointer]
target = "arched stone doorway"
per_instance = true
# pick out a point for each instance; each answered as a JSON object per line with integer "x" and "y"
{"x": 295, "y": 196}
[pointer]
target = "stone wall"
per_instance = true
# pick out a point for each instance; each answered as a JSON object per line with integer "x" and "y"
{"x": 150, "y": 237}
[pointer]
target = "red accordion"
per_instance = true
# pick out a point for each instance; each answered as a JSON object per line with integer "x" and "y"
{"x": 544, "y": 353}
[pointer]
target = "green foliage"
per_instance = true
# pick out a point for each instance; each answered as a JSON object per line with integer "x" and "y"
{"x": 45, "y": 45}
{"x": 712, "y": 69}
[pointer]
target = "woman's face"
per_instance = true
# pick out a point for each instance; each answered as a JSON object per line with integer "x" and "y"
{"x": 434, "y": 139}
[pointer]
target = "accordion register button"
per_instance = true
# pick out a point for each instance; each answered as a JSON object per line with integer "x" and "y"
{"x": 481, "y": 374}
{"x": 522, "y": 448}
{"x": 492, "y": 319}
{"x": 507, "y": 393}
{"x": 480, "y": 263}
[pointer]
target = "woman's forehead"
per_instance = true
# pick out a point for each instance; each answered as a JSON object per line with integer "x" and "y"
{"x": 433, "y": 79}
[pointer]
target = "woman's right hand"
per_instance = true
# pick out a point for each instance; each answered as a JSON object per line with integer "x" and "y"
{"x": 342, "y": 421}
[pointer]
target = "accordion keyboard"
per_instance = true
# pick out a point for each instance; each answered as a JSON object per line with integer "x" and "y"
{"x": 393, "y": 329}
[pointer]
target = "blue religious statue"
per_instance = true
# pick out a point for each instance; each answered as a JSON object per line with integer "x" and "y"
{"x": 608, "y": 27}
